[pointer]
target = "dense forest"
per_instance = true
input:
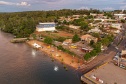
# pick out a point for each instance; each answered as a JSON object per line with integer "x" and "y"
{"x": 22, "y": 24}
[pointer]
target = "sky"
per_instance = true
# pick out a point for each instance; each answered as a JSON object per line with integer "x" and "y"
{"x": 36, "y": 5}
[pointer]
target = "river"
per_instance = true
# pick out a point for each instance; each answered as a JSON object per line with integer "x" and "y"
{"x": 21, "y": 64}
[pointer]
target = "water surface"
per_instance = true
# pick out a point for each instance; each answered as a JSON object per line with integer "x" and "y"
{"x": 21, "y": 64}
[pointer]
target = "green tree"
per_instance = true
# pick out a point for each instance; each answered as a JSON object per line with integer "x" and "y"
{"x": 64, "y": 22}
{"x": 62, "y": 59}
{"x": 105, "y": 41}
{"x": 48, "y": 40}
{"x": 110, "y": 38}
{"x": 91, "y": 42}
{"x": 87, "y": 56}
{"x": 84, "y": 26}
{"x": 97, "y": 47}
{"x": 61, "y": 39}
{"x": 96, "y": 35}
{"x": 60, "y": 47}
{"x": 123, "y": 21}
{"x": 34, "y": 36}
{"x": 75, "y": 38}
{"x": 93, "y": 53}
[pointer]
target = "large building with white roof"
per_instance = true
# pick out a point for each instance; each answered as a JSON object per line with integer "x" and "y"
{"x": 119, "y": 16}
{"x": 46, "y": 27}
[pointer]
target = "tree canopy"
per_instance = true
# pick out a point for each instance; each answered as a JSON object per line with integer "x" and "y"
{"x": 22, "y": 24}
{"x": 87, "y": 56}
{"x": 75, "y": 38}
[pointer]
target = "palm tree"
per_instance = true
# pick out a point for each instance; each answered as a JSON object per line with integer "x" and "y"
{"x": 64, "y": 66}
{"x": 62, "y": 60}
{"x": 66, "y": 69}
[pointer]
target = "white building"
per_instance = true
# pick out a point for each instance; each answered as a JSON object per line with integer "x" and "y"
{"x": 119, "y": 16}
{"x": 46, "y": 27}
{"x": 74, "y": 27}
{"x": 118, "y": 26}
{"x": 95, "y": 30}
{"x": 93, "y": 14}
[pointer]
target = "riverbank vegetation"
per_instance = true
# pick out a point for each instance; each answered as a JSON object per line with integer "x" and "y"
{"x": 22, "y": 24}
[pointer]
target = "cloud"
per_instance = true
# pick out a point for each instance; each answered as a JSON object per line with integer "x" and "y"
{"x": 6, "y": 3}
{"x": 83, "y": 8}
{"x": 18, "y": 4}
{"x": 123, "y": 7}
{"x": 108, "y": 8}
{"x": 23, "y": 4}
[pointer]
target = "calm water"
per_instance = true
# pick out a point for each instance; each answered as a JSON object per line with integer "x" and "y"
{"x": 21, "y": 64}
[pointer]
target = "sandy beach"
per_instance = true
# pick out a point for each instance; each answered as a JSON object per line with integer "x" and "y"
{"x": 59, "y": 55}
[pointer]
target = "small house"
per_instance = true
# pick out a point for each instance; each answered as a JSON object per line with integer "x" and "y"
{"x": 88, "y": 38}
{"x": 67, "y": 41}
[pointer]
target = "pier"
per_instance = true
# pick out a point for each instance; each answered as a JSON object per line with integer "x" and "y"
{"x": 20, "y": 40}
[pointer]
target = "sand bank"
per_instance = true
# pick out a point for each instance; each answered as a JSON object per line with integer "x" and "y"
{"x": 59, "y": 55}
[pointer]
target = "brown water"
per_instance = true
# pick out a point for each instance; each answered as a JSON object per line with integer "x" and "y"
{"x": 21, "y": 64}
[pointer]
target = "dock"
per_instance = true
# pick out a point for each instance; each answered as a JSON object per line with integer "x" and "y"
{"x": 20, "y": 40}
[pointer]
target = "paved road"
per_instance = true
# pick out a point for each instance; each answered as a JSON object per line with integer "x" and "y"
{"x": 107, "y": 55}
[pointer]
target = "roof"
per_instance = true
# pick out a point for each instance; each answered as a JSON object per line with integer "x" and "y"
{"x": 86, "y": 36}
{"x": 108, "y": 73}
{"x": 43, "y": 25}
{"x": 123, "y": 52}
{"x": 68, "y": 40}
{"x": 119, "y": 14}
{"x": 47, "y": 23}
{"x": 83, "y": 46}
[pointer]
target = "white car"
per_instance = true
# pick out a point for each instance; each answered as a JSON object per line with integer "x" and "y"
{"x": 117, "y": 48}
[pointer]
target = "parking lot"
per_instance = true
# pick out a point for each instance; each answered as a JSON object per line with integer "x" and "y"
{"x": 109, "y": 74}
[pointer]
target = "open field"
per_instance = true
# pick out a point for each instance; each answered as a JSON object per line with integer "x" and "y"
{"x": 55, "y": 35}
{"x": 65, "y": 34}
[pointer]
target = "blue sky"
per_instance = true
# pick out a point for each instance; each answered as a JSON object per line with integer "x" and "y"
{"x": 33, "y": 5}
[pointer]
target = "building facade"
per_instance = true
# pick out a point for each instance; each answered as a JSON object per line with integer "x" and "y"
{"x": 46, "y": 27}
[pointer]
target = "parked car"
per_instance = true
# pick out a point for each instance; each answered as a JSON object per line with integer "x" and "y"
{"x": 123, "y": 66}
{"x": 117, "y": 48}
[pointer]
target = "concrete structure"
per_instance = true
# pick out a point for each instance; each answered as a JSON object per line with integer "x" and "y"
{"x": 105, "y": 74}
{"x": 117, "y": 25}
{"x": 119, "y": 16}
{"x": 84, "y": 47}
{"x": 92, "y": 24}
{"x": 76, "y": 16}
{"x": 95, "y": 30}
{"x": 112, "y": 30}
{"x": 88, "y": 38}
{"x": 123, "y": 54}
{"x": 106, "y": 20}
{"x": 46, "y": 27}
{"x": 74, "y": 27}
{"x": 93, "y": 14}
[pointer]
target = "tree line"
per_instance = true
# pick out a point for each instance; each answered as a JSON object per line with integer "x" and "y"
{"x": 22, "y": 24}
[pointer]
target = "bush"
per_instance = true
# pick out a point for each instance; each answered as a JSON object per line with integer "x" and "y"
{"x": 48, "y": 40}
{"x": 65, "y": 50}
{"x": 34, "y": 36}
{"x": 61, "y": 39}
{"x": 60, "y": 47}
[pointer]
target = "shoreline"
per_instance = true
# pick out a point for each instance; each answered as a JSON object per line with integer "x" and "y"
{"x": 62, "y": 57}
